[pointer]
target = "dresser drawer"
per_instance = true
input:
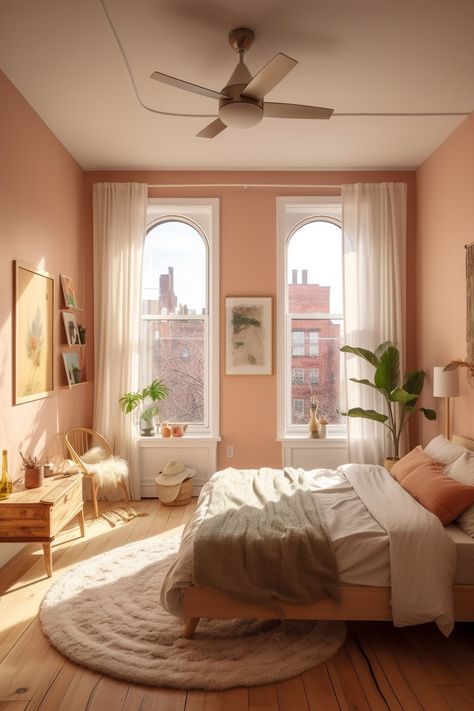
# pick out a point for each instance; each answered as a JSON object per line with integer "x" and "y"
{"x": 24, "y": 522}
{"x": 66, "y": 506}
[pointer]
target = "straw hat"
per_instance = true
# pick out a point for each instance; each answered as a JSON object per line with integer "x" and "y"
{"x": 169, "y": 480}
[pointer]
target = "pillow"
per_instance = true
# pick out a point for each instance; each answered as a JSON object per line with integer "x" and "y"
{"x": 443, "y": 450}
{"x": 413, "y": 461}
{"x": 443, "y": 496}
{"x": 462, "y": 470}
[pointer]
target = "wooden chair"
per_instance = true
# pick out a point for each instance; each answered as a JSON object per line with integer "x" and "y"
{"x": 78, "y": 441}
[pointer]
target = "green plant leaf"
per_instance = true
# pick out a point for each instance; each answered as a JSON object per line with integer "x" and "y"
{"x": 402, "y": 396}
{"x": 129, "y": 401}
{"x": 157, "y": 390}
{"x": 414, "y": 381}
{"x": 380, "y": 350}
{"x": 366, "y": 414}
{"x": 387, "y": 373}
{"x": 429, "y": 414}
{"x": 362, "y": 352}
{"x": 364, "y": 381}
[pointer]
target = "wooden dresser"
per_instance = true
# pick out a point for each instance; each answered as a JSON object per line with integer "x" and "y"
{"x": 37, "y": 515}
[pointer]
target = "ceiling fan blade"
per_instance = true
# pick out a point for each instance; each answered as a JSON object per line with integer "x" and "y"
{"x": 298, "y": 111}
{"x": 212, "y": 129}
{"x": 269, "y": 76}
{"x": 187, "y": 86}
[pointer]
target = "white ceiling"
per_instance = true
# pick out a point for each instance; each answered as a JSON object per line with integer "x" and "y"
{"x": 354, "y": 55}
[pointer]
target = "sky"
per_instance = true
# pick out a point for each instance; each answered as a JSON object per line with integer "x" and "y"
{"x": 316, "y": 246}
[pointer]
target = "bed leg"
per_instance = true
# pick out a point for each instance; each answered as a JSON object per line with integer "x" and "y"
{"x": 190, "y": 625}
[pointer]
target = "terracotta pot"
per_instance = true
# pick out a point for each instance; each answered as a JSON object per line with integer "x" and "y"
{"x": 33, "y": 477}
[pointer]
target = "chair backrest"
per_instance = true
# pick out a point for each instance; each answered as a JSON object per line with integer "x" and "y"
{"x": 79, "y": 440}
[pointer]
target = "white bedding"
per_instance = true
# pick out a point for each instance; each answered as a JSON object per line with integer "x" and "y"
{"x": 361, "y": 542}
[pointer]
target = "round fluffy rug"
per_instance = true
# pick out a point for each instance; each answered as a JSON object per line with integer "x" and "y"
{"x": 105, "y": 614}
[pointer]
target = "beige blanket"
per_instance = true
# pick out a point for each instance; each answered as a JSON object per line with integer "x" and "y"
{"x": 263, "y": 539}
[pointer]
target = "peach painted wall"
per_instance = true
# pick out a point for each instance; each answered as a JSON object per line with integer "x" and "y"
{"x": 248, "y": 267}
{"x": 445, "y": 224}
{"x": 42, "y": 224}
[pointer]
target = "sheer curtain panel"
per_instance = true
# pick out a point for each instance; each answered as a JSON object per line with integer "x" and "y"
{"x": 374, "y": 225}
{"x": 119, "y": 231}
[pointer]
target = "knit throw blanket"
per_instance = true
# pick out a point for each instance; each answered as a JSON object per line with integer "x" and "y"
{"x": 263, "y": 539}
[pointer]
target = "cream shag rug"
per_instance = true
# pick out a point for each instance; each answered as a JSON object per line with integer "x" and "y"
{"x": 105, "y": 614}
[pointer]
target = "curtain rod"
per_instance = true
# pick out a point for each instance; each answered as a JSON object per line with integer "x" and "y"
{"x": 244, "y": 185}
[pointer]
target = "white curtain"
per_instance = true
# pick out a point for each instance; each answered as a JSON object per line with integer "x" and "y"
{"x": 119, "y": 233}
{"x": 374, "y": 225}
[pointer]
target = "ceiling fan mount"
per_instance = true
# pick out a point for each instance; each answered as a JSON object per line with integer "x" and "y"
{"x": 241, "y": 39}
{"x": 241, "y": 101}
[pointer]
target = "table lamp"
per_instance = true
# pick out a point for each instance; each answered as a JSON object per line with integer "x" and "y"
{"x": 445, "y": 384}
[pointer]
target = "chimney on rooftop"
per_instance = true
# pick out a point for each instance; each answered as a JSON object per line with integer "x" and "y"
{"x": 294, "y": 276}
{"x": 304, "y": 276}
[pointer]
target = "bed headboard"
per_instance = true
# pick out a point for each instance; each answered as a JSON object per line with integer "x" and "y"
{"x": 465, "y": 441}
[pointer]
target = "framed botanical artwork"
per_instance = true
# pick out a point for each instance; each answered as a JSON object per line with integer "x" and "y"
{"x": 33, "y": 362}
{"x": 72, "y": 331}
{"x": 69, "y": 292}
{"x": 71, "y": 366}
{"x": 248, "y": 335}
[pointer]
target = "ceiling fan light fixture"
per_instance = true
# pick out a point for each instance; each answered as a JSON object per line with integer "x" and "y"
{"x": 241, "y": 114}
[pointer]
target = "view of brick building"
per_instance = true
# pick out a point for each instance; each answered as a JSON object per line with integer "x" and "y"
{"x": 315, "y": 346}
{"x": 172, "y": 350}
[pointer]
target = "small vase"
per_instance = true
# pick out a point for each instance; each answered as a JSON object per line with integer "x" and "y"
{"x": 313, "y": 425}
{"x": 33, "y": 477}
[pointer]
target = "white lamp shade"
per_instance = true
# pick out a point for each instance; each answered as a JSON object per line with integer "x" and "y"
{"x": 445, "y": 382}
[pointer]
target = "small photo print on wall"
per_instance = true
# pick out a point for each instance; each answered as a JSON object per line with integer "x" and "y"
{"x": 72, "y": 332}
{"x": 71, "y": 365}
{"x": 249, "y": 335}
{"x": 69, "y": 292}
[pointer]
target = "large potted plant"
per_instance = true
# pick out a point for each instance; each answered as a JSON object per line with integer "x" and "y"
{"x": 145, "y": 400}
{"x": 400, "y": 398}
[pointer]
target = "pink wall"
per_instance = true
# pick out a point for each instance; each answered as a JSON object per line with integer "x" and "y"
{"x": 445, "y": 224}
{"x": 248, "y": 227}
{"x": 42, "y": 224}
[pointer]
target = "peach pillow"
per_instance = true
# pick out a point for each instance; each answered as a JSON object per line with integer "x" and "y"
{"x": 444, "y": 497}
{"x": 411, "y": 462}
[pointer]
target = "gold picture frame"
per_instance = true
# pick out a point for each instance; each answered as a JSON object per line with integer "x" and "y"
{"x": 33, "y": 326}
{"x": 248, "y": 335}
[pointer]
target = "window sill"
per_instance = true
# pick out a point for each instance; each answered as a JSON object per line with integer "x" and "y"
{"x": 305, "y": 441}
{"x": 188, "y": 440}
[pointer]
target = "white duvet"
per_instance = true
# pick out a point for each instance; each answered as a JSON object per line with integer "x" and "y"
{"x": 381, "y": 536}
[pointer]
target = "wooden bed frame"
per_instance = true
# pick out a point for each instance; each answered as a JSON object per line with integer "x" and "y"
{"x": 357, "y": 602}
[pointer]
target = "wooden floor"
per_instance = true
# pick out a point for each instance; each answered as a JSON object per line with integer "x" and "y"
{"x": 379, "y": 667}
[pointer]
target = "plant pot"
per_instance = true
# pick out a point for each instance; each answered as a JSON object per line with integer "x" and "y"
{"x": 33, "y": 477}
{"x": 389, "y": 462}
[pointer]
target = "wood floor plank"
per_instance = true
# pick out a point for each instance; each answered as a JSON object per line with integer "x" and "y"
{"x": 458, "y": 697}
{"x": 263, "y": 697}
{"x": 108, "y": 694}
{"x": 319, "y": 689}
{"x": 376, "y": 637}
{"x": 80, "y": 690}
{"x": 292, "y": 695}
{"x": 202, "y": 701}
{"x": 140, "y": 698}
{"x": 340, "y": 668}
{"x": 415, "y": 675}
{"x": 363, "y": 672}
{"x": 13, "y": 705}
{"x": 429, "y": 656}
{"x": 360, "y": 631}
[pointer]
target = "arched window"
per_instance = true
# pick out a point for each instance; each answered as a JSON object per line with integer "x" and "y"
{"x": 176, "y": 330}
{"x": 311, "y": 282}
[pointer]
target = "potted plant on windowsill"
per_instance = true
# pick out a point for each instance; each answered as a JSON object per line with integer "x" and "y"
{"x": 144, "y": 399}
{"x": 400, "y": 399}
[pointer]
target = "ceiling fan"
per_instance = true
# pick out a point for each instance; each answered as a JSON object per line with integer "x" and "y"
{"x": 241, "y": 101}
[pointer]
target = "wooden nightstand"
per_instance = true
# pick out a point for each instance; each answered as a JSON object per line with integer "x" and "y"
{"x": 37, "y": 515}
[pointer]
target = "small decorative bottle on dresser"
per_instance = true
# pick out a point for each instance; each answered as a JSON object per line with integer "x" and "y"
{"x": 6, "y": 485}
{"x": 313, "y": 425}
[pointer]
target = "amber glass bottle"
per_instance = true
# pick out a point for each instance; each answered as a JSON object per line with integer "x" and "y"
{"x": 5, "y": 482}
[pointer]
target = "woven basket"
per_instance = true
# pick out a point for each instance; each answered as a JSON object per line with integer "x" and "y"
{"x": 185, "y": 494}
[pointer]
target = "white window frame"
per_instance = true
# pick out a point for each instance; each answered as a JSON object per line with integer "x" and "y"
{"x": 203, "y": 215}
{"x": 296, "y": 346}
{"x": 313, "y": 343}
{"x": 314, "y": 376}
{"x": 293, "y": 213}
